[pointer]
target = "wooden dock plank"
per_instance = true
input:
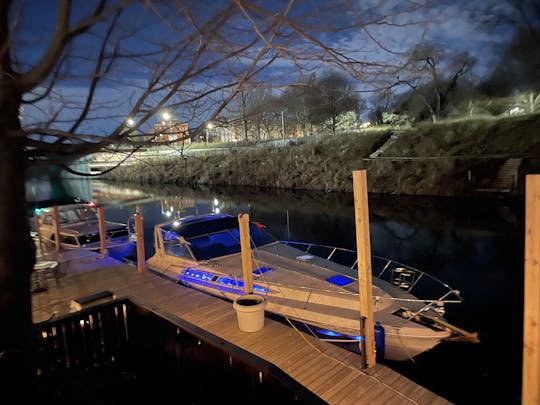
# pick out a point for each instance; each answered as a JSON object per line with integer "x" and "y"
{"x": 327, "y": 370}
{"x": 356, "y": 391}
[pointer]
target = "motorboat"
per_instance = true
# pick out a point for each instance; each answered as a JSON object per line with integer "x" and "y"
{"x": 316, "y": 286}
{"x": 79, "y": 228}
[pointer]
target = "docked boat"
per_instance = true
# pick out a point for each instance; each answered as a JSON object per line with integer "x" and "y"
{"x": 313, "y": 285}
{"x": 79, "y": 228}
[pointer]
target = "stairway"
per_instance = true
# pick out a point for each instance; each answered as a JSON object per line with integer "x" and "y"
{"x": 506, "y": 179}
{"x": 389, "y": 141}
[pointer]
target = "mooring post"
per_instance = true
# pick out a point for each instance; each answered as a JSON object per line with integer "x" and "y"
{"x": 38, "y": 233}
{"x": 245, "y": 246}
{"x": 363, "y": 249}
{"x": 139, "y": 233}
{"x": 102, "y": 232}
{"x": 56, "y": 220}
{"x": 531, "y": 309}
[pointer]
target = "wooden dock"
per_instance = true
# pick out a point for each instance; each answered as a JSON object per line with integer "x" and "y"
{"x": 328, "y": 371}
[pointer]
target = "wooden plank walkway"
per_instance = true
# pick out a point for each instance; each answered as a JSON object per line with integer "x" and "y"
{"x": 330, "y": 372}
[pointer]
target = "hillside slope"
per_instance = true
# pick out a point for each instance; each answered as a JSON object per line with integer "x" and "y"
{"x": 447, "y": 159}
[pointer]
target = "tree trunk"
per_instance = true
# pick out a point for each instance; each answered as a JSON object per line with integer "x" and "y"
{"x": 245, "y": 130}
{"x": 17, "y": 258}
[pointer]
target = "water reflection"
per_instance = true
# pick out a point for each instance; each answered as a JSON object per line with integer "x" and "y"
{"x": 474, "y": 246}
{"x": 47, "y": 187}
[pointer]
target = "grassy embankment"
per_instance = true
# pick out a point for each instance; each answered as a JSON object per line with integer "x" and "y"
{"x": 448, "y": 159}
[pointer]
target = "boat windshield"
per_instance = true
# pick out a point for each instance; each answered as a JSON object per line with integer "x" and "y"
{"x": 77, "y": 215}
{"x": 222, "y": 242}
{"x": 71, "y": 216}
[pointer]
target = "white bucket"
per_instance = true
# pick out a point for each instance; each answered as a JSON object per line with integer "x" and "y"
{"x": 250, "y": 312}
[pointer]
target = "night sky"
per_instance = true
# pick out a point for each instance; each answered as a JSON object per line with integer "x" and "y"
{"x": 481, "y": 29}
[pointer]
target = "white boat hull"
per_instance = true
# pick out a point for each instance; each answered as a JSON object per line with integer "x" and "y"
{"x": 318, "y": 292}
{"x": 403, "y": 342}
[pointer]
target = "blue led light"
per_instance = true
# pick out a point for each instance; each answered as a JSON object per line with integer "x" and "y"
{"x": 240, "y": 284}
{"x": 202, "y": 275}
{"x": 340, "y": 280}
{"x": 328, "y": 332}
{"x": 261, "y": 270}
{"x": 226, "y": 281}
{"x": 356, "y": 337}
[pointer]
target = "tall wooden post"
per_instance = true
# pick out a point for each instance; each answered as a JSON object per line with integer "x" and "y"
{"x": 139, "y": 233}
{"x": 102, "y": 232}
{"x": 38, "y": 233}
{"x": 245, "y": 245}
{"x": 531, "y": 308}
{"x": 56, "y": 220}
{"x": 363, "y": 249}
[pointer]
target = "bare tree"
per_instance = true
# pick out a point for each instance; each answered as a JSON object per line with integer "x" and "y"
{"x": 333, "y": 94}
{"x": 518, "y": 67}
{"x": 519, "y": 59}
{"x": 433, "y": 81}
{"x": 109, "y": 60}
{"x": 251, "y": 109}
{"x": 296, "y": 101}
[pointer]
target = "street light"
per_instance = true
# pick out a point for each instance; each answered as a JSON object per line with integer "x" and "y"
{"x": 170, "y": 126}
{"x": 209, "y": 126}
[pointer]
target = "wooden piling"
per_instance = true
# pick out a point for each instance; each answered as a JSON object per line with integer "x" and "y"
{"x": 139, "y": 233}
{"x": 245, "y": 245}
{"x": 102, "y": 232}
{"x": 38, "y": 233}
{"x": 531, "y": 308}
{"x": 363, "y": 249}
{"x": 56, "y": 220}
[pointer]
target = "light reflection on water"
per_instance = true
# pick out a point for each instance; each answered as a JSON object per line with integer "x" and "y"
{"x": 474, "y": 246}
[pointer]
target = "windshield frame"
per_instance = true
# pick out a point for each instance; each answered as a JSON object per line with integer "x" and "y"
{"x": 224, "y": 239}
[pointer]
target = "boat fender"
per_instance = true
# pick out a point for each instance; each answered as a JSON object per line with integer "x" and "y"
{"x": 379, "y": 340}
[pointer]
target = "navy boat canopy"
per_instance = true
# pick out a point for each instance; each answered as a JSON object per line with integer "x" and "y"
{"x": 212, "y": 236}
{"x": 203, "y": 225}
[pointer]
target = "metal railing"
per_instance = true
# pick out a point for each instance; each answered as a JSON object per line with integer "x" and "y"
{"x": 422, "y": 285}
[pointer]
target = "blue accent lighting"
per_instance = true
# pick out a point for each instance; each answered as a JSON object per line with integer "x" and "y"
{"x": 227, "y": 281}
{"x": 261, "y": 270}
{"x": 328, "y": 332}
{"x": 260, "y": 289}
{"x": 240, "y": 283}
{"x": 340, "y": 280}
{"x": 201, "y": 275}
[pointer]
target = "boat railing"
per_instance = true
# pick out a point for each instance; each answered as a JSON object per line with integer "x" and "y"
{"x": 235, "y": 285}
{"x": 427, "y": 288}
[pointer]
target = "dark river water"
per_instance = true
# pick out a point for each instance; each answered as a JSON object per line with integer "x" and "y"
{"x": 475, "y": 246}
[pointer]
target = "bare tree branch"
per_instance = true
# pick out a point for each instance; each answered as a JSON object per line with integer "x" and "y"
{"x": 61, "y": 38}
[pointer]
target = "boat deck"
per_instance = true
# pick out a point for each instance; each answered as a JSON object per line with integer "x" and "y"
{"x": 328, "y": 371}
